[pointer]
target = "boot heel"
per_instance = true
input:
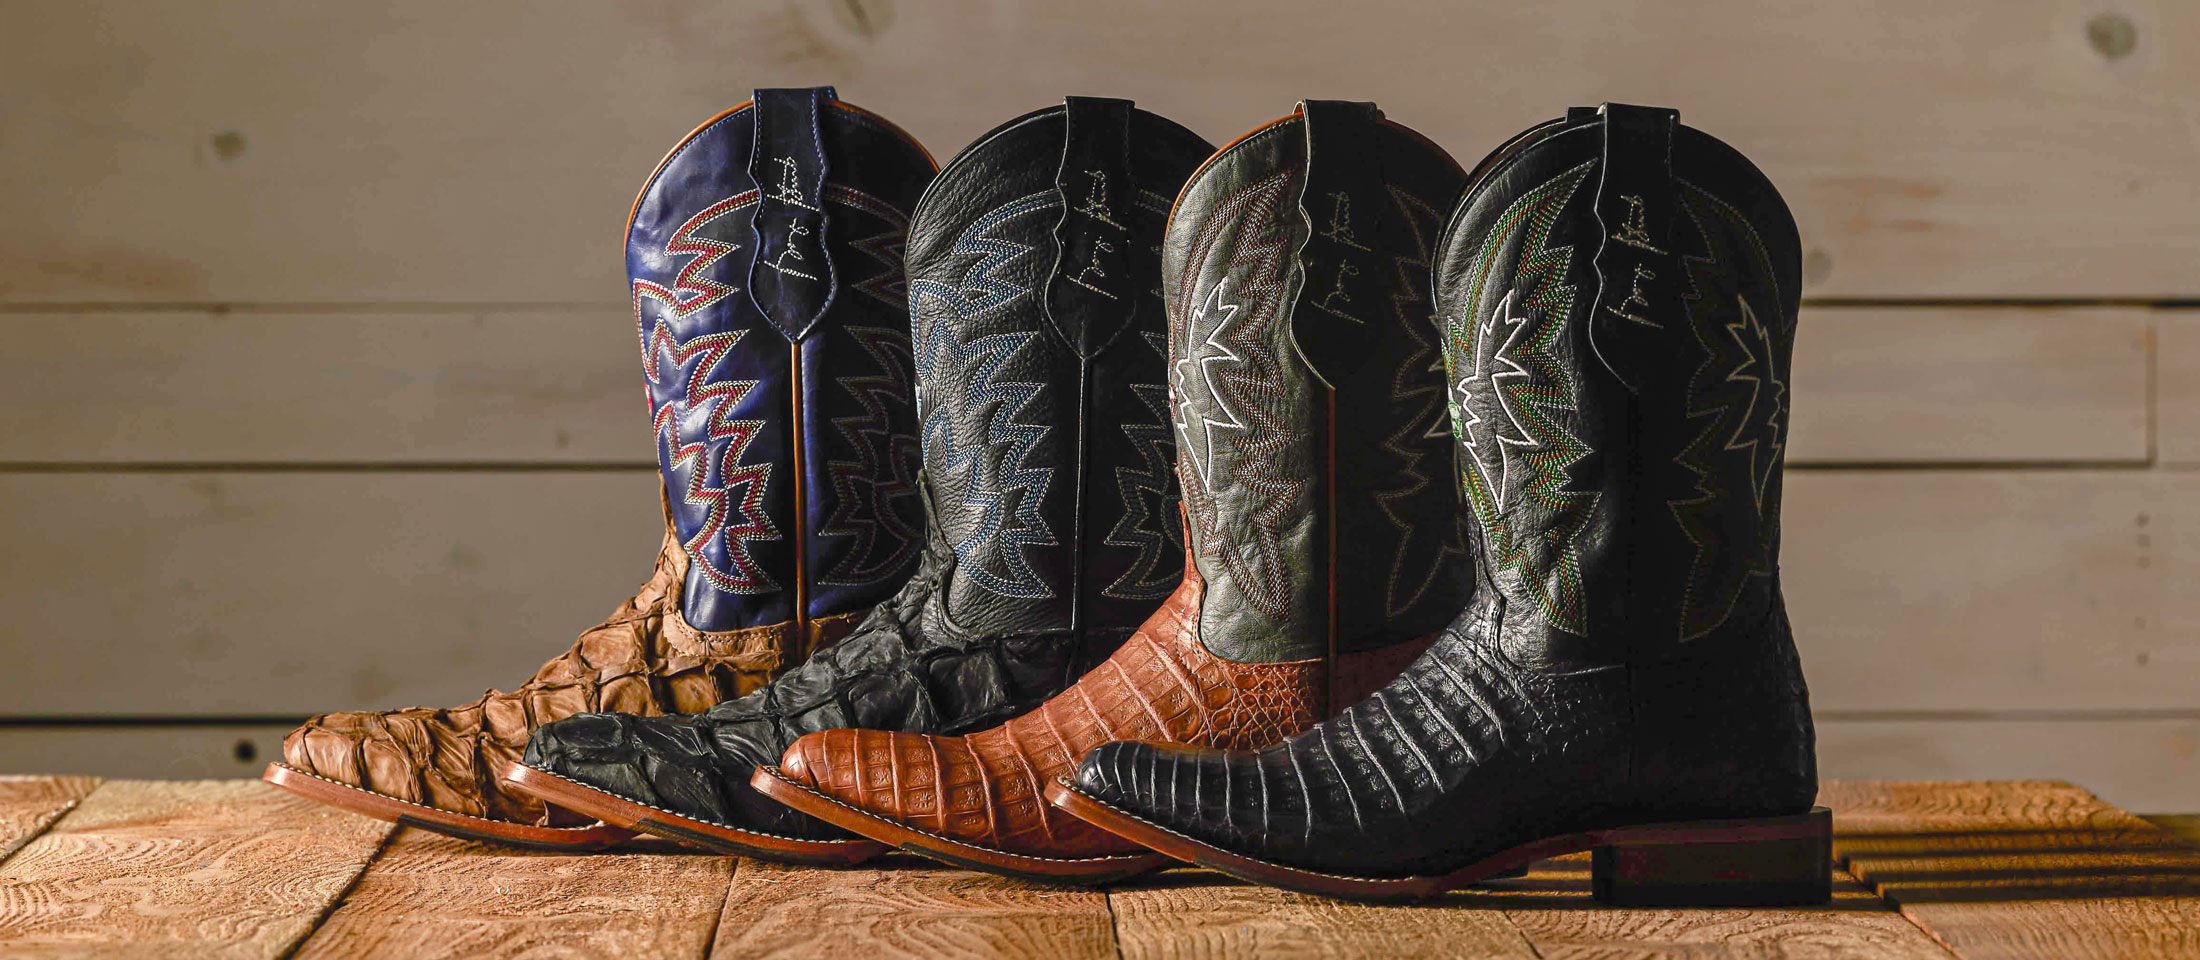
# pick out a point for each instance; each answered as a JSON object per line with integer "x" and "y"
{"x": 1768, "y": 862}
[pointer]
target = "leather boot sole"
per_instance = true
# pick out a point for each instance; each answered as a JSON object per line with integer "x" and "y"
{"x": 1771, "y": 861}
{"x": 1086, "y": 871}
{"x": 717, "y": 837}
{"x": 359, "y": 800}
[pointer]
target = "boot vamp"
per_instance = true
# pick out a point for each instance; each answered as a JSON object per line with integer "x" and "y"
{"x": 1468, "y": 754}
{"x": 903, "y": 669}
{"x": 1461, "y": 756}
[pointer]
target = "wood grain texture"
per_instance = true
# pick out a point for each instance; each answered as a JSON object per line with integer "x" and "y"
{"x": 429, "y": 895}
{"x": 2177, "y": 387}
{"x": 1876, "y": 385}
{"x": 2021, "y": 869}
{"x": 466, "y": 387}
{"x": 170, "y": 752}
{"x": 1995, "y": 590}
{"x": 1553, "y": 908}
{"x": 1956, "y": 384}
{"x": 30, "y": 804}
{"x": 2137, "y": 763}
{"x": 290, "y": 594}
{"x": 424, "y": 152}
{"x": 906, "y": 908}
{"x": 223, "y": 869}
{"x": 1194, "y": 914}
{"x": 2186, "y": 825}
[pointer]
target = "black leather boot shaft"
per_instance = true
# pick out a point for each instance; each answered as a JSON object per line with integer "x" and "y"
{"x": 1309, "y": 403}
{"x": 1618, "y": 301}
{"x": 1033, "y": 277}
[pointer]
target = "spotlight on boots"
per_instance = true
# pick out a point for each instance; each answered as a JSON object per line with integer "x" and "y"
{"x": 1038, "y": 330}
{"x": 1618, "y": 294}
{"x": 765, "y": 256}
{"x": 1326, "y": 547}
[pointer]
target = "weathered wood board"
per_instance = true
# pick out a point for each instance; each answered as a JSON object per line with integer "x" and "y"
{"x": 486, "y": 153}
{"x": 217, "y": 869}
{"x": 2139, "y": 763}
{"x": 245, "y": 387}
{"x": 431, "y": 895}
{"x": 1871, "y": 385}
{"x": 179, "y": 751}
{"x": 1970, "y": 590}
{"x": 2021, "y": 869}
{"x": 289, "y": 594}
{"x": 30, "y": 804}
{"x": 906, "y": 908}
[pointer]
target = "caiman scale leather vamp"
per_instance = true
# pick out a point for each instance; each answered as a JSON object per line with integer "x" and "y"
{"x": 765, "y": 257}
{"x": 1326, "y": 547}
{"x": 1039, "y": 337}
{"x": 1618, "y": 296}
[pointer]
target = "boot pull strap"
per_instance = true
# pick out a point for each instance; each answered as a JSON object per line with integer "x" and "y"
{"x": 1091, "y": 294}
{"x": 791, "y": 278}
{"x": 1637, "y": 274}
{"x": 1344, "y": 209}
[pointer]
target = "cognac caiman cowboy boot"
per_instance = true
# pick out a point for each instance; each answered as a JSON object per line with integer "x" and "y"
{"x": 1313, "y": 449}
{"x": 1619, "y": 297}
{"x": 1033, "y": 277}
{"x": 766, "y": 260}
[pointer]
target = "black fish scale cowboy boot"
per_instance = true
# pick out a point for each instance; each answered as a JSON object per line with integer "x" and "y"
{"x": 1033, "y": 287}
{"x": 1619, "y": 294}
{"x": 765, "y": 262}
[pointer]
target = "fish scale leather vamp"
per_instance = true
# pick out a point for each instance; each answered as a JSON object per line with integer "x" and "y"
{"x": 1036, "y": 340}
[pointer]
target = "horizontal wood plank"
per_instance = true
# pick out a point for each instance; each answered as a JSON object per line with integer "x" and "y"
{"x": 2015, "y": 870}
{"x": 215, "y": 869}
{"x": 1871, "y": 385}
{"x": 181, "y": 751}
{"x": 1552, "y": 906}
{"x": 528, "y": 386}
{"x": 430, "y": 895}
{"x": 2140, "y": 764}
{"x": 1195, "y": 914}
{"x": 425, "y": 152}
{"x": 1958, "y": 384}
{"x": 290, "y": 594}
{"x": 1995, "y": 590}
{"x": 2177, "y": 386}
{"x": 906, "y": 908}
{"x": 30, "y": 804}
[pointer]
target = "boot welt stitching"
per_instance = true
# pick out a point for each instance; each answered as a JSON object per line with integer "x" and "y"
{"x": 440, "y": 810}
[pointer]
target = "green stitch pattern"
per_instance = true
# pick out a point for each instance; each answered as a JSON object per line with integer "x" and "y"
{"x": 1511, "y": 358}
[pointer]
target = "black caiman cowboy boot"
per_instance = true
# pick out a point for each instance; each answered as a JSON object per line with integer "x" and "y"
{"x": 1619, "y": 297}
{"x": 1033, "y": 273}
{"x": 766, "y": 276}
{"x": 1326, "y": 549}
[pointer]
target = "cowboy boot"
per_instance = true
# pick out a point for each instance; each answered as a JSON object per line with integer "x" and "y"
{"x": 1619, "y": 296}
{"x": 1313, "y": 448}
{"x": 1034, "y": 293}
{"x": 765, "y": 253}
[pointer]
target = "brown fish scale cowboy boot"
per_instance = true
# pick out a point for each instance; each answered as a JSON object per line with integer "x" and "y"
{"x": 1619, "y": 296}
{"x": 1034, "y": 286}
{"x": 765, "y": 257}
{"x": 1312, "y": 450}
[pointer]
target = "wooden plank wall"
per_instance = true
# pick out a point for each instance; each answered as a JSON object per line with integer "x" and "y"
{"x": 317, "y": 368}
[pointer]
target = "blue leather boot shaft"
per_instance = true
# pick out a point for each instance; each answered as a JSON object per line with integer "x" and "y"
{"x": 765, "y": 257}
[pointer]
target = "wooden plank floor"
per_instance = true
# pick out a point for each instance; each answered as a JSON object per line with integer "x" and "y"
{"x": 236, "y": 869}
